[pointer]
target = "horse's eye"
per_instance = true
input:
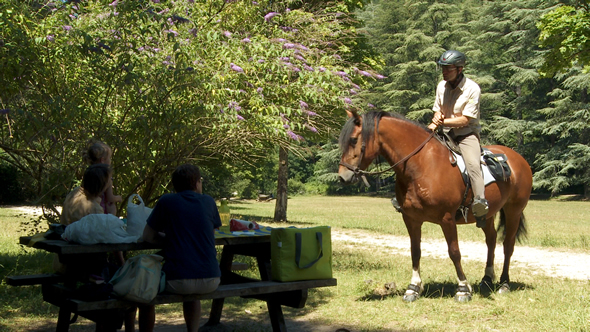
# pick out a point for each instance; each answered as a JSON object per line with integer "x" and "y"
{"x": 353, "y": 141}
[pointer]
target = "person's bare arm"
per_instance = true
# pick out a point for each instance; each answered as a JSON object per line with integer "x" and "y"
{"x": 151, "y": 236}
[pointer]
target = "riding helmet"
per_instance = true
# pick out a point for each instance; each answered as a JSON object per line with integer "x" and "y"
{"x": 452, "y": 57}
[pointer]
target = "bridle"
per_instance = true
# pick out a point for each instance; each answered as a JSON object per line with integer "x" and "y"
{"x": 358, "y": 172}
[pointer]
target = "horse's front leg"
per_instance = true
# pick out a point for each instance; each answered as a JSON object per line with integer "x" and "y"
{"x": 415, "y": 287}
{"x": 450, "y": 231}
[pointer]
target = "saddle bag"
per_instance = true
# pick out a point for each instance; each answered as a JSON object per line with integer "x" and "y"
{"x": 498, "y": 166}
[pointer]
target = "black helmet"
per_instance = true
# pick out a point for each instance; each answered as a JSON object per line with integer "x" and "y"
{"x": 452, "y": 57}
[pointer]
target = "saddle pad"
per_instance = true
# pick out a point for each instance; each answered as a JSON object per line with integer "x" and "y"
{"x": 487, "y": 176}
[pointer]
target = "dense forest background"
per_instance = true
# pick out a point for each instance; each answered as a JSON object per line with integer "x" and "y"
{"x": 227, "y": 84}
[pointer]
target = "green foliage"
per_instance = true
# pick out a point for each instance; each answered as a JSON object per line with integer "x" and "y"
{"x": 164, "y": 83}
{"x": 564, "y": 32}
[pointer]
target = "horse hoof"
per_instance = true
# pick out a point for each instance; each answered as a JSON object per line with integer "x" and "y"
{"x": 463, "y": 297}
{"x": 504, "y": 288}
{"x": 486, "y": 284}
{"x": 411, "y": 297}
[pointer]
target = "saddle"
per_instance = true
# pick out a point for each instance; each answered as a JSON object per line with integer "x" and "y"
{"x": 494, "y": 168}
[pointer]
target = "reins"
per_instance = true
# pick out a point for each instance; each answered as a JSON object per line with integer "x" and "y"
{"x": 357, "y": 171}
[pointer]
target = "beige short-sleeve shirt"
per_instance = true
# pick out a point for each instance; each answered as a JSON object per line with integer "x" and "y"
{"x": 462, "y": 100}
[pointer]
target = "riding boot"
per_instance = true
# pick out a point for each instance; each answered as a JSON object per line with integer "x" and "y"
{"x": 480, "y": 211}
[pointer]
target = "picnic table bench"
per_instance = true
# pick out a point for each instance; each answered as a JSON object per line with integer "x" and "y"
{"x": 109, "y": 314}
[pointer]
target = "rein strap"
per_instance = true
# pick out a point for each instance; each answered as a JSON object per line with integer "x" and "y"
{"x": 399, "y": 162}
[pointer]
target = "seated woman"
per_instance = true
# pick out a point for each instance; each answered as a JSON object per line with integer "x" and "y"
{"x": 80, "y": 202}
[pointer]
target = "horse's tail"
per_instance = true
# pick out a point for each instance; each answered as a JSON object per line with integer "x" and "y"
{"x": 521, "y": 232}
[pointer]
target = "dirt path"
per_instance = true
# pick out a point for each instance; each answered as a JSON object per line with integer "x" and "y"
{"x": 539, "y": 261}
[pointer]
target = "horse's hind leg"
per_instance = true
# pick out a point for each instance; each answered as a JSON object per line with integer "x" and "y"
{"x": 491, "y": 236}
{"x": 511, "y": 220}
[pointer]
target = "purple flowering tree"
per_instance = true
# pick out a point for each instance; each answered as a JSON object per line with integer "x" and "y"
{"x": 165, "y": 88}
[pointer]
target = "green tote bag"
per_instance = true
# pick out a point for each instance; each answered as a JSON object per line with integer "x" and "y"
{"x": 301, "y": 253}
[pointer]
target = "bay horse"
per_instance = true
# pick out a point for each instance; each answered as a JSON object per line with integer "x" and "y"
{"x": 430, "y": 189}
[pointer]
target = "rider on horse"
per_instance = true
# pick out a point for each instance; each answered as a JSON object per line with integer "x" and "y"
{"x": 456, "y": 109}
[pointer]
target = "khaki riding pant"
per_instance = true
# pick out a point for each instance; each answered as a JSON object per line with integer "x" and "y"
{"x": 471, "y": 151}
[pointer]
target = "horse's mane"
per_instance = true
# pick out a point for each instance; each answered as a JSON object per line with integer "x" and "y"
{"x": 368, "y": 131}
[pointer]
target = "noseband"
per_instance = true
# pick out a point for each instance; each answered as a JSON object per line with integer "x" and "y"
{"x": 358, "y": 172}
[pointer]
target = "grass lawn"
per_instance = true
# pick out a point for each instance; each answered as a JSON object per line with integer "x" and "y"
{"x": 360, "y": 302}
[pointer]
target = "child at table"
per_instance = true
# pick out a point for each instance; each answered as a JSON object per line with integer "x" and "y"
{"x": 184, "y": 224}
{"x": 100, "y": 153}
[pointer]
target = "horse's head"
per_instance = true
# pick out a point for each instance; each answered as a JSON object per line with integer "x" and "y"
{"x": 353, "y": 147}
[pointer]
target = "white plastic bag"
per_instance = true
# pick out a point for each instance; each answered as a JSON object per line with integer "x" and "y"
{"x": 137, "y": 215}
{"x": 140, "y": 279}
{"x": 98, "y": 228}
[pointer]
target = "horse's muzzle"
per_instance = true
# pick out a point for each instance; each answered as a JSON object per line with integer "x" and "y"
{"x": 347, "y": 176}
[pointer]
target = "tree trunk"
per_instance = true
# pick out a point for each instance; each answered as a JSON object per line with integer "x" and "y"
{"x": 281, "y": 203}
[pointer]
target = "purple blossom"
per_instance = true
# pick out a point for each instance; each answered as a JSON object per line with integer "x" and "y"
{"x": 288, "y": 45}
{"x": 364, "y": 73}
{"x": 355, "y": 86}
{"x": 293, "y": 135}
{"x": 287, "y": 10}
{"x": 155, "y": 49}
{"x": 299, "y": 57}
{"x": 312, "y": 129}
{"x": 259, "y": 90}
{"x": 164, "y": 11}
{"x": 379, "y": 76}
{"x": 310, "y": 113}
{"x": 75, "y": 7}
{"x": 241, "y": 118}
{"x": 67, "y": 27}
{"x": 321, "y": 69}
{"x": 308, "y": 68}
{"x": 156, "y": 1}
{"x": 246, "y": 40}
{"x": 115, "y": 13}
{"x": 254, "y": 3}
{"x": 288, "y": 64}
{"x": 303, "y": 104}
{"x": 301, "y": 47}
{"x": 283, "y": 117}
{"x": 347, "y": 100}
{"x": 340, "y": 73}
{"x": 353, "y": 91}
{"x": 269, "y": 16}
{"x": 281, "y": 40}
{"x": 261, "y": 61}
{"x": 4, "y": 111}
{"x": 371, "y": 105}
{"x": 295, "y": 69}
{"x": 337, "y": 56}
{"x": 242, "y": 91}
{"x": 114, "y": 3}
{"x": 50, "y": 38}
{"x": 286, "y": 126}
{"x": 284, "y": 58}
{"x": 235, "y": 67}
{"x": 191, "y": 1}
{"x": 170, "y": 21}
{"x": 227, "y": 34}
{"x": 73, "y": 17}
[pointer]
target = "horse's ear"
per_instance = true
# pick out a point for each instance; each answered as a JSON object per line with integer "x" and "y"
{"x": 354, "y": 114}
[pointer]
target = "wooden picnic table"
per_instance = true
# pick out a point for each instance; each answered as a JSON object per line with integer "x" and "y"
{"x": 258, "y": 246}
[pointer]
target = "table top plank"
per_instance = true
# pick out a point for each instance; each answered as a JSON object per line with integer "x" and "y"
{"x": 65, "y": 248}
